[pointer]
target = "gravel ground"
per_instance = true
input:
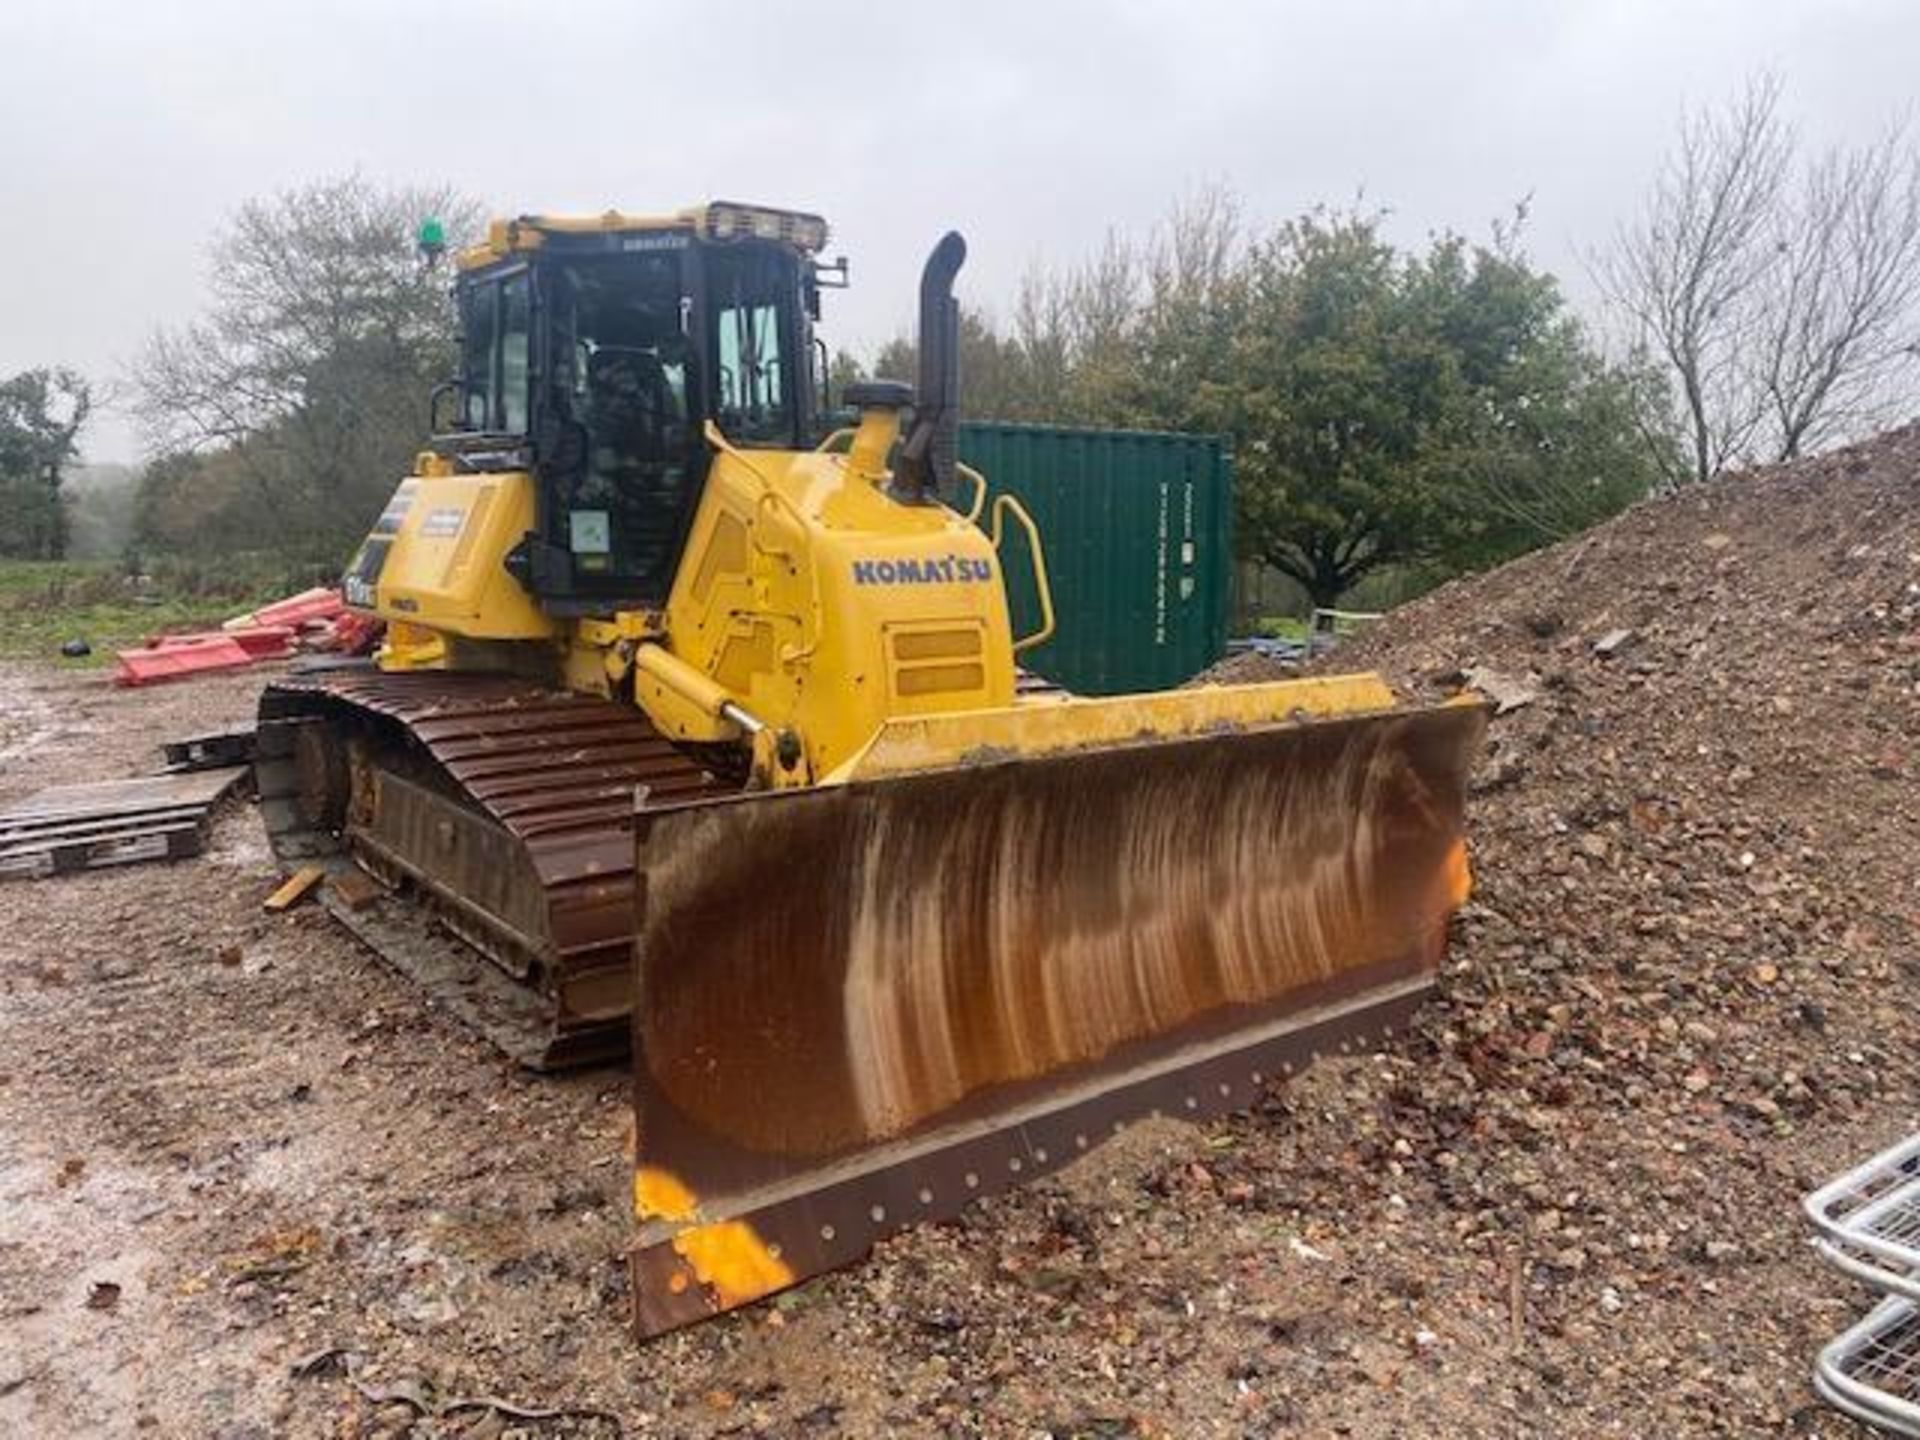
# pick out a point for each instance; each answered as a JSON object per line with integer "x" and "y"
{"x": 1564, "y": 1205}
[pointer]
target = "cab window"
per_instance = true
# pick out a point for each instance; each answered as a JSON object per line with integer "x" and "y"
{"x": 515, "y": 322}
{"x": 619, "y": 362}
{"x": 751, "y": 296}
{"x": 495, "y": 323}
{"x": 480, "y": 328}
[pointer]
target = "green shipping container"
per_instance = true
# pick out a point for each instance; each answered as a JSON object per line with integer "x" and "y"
{"x": 1137, "y": 530}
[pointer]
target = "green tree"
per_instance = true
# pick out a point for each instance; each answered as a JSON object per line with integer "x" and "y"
{"x": 1337, "y": 410}
{"x": 843, "y": 370}
{"x": 309, "y": 373}
{"x": 41, "y": 415}
{"x": 1555, "y": 442}
{"x": 1437, "y": 411}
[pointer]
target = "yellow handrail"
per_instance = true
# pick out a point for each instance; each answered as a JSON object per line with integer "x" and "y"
{"x": 972, "y": 517}
{"x": 1002, "y": 506}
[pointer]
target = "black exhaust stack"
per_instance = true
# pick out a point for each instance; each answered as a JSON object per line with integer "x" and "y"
{"x": 925, "y": 467}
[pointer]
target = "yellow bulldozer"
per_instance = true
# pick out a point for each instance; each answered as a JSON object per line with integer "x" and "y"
{"x": 700, "y": 734}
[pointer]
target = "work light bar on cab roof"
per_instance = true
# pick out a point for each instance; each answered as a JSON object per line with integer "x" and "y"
{"x": 720, "y": 220}
{"x": 727, "y": 220}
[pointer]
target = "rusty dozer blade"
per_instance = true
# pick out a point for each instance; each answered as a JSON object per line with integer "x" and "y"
{"x": 865, "y": 1005}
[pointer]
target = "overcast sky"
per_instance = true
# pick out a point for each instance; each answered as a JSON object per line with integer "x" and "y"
{"x": 130, "y": 130}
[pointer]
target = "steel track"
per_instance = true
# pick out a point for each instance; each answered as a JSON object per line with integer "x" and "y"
{"x": 505, "y": 810}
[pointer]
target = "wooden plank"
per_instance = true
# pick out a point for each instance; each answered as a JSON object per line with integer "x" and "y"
{"x": 295, "y": 888}
{"x": 126, "y": 797}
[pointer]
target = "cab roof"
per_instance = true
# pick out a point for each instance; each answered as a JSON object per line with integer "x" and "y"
{"x": 715, "y": 220}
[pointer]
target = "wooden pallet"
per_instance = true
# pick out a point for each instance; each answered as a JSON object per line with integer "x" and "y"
{"x": 113, "y": 822}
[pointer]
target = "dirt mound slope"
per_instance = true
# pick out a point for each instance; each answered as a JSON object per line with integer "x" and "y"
{"x": 1685, "y": 988}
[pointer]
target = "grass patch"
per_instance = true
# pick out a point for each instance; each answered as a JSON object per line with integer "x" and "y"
{"x": 43, "y": 604}
{"x": 1281, "y": 627}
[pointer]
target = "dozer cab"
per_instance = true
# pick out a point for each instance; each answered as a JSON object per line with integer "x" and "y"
{"x": 700, "y": 734}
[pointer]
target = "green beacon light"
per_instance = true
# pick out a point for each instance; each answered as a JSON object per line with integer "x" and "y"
{"x": 432, "y": 238}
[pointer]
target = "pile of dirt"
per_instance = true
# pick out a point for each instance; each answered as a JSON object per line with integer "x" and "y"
{"x": 1249, "y": 667}
{"x": 1685, "y": 988}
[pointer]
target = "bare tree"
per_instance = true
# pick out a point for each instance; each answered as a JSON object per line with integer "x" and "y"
{"x": 1196, "y": 280}
{"x": 1839, "y": 322}
{"x": 311, "y": 367}
{"x": 1043, "y": 331}
{"x": 1781, "y": 297}
{"x": 1195, "y": 253}
{"x": 1101, "y": 297}
{"x": 1687, "y": 272}
{"x": 1103, "y": 342}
